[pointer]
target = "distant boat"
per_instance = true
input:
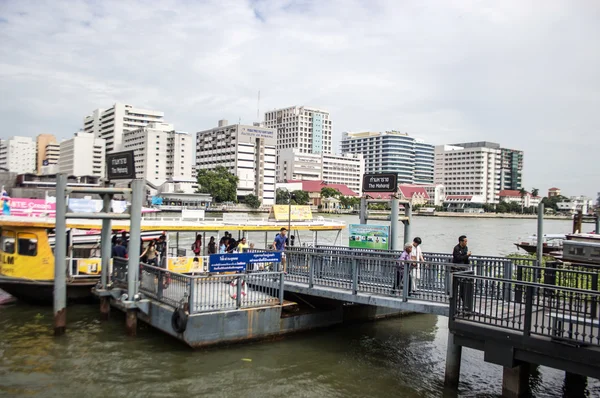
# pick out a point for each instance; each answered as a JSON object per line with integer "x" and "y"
{"x": 552, "y": 243}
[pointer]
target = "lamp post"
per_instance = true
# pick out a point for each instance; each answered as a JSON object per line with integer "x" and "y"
{"x": 290, "y": 196}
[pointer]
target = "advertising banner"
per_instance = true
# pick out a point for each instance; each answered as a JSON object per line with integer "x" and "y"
{"x": 184, "y": 265}
{"x": 31, "y": 207}
{"x": 299, "y": 213}
{"x": 366, "y": 236}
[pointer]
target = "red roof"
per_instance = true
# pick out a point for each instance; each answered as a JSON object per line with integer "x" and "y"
{"x": 408, "y": 191}
{"x": 554, "y": 189}
{"x": 316, "y": 186}
{"x": 510, "y": 193}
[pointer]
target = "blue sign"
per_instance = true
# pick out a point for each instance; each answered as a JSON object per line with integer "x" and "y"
{"x": 236, "y": 262}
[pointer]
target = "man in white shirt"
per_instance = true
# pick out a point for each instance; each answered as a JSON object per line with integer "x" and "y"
{"x": 416, "y": 255}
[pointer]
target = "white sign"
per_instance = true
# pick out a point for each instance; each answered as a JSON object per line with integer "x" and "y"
{"x": 257, "y": 132}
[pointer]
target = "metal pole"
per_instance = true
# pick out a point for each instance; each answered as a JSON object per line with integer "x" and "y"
{"x": 289, "y": 212}
{"x": 407, "y": 222}
{"x": 540, "y": 234}
{"x": 363, "y": 210}
{"x": 105, "y": 243}
{"x": 395, "y": 224}
{"x": 60, "y": 252}
{"x": 135, "y": 223}
{"x": 598, "y": 221}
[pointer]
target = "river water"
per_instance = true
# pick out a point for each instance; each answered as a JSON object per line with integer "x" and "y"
{"x": 401, "y": 357}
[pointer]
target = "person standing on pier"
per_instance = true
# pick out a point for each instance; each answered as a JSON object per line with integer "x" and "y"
{"x": 197, "y": 245}
{"x": 460, "y": 255}
{"x": 279, "y": 245}
{"x": 212, "y": 246}
{"x": 416, "y": 255}
{"x": 403, "y": 259}
{"x": 242, "y": 245}
{"x": 119, "y": 249}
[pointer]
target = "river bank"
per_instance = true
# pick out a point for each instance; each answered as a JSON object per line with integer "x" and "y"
{"x": 493, "y": 215}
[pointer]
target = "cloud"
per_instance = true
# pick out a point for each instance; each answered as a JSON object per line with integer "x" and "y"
{"x": 521, "y": 74}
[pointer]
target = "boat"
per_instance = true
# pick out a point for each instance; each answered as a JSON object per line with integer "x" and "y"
{"x": 552, "y": 243}
{"x": 27, "y": 257}
{"x": 582, "y": 248}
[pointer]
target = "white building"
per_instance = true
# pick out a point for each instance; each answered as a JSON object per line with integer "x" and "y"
{"x": 304, "y": 128}
{"x": 110, "y": 124}
{"x": 82, "y": 155}
{"x": 514, "y": 196}
{"x": 160, "y": 153}
{"x": 436, "y": 193}
{"x": 51, "y": 158}
{"x": 392, "y": 152}
{"x": 249, "y": 152}
{"x": 469, "y": 170}
{"x": 575, "y": 204}
{"x": 18, "y": 154}
{"x": 345, "y": 169}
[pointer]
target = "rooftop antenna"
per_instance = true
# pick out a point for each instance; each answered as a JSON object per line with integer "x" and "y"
{"x": 258, "y": 107}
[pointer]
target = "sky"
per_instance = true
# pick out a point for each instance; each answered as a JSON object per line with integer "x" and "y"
{"x": 524, "y": 74}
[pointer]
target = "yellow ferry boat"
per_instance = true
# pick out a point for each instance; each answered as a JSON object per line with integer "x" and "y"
{"x": 27, "y": 256}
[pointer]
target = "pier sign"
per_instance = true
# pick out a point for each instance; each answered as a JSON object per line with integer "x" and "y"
{"x": 384, "y": 182}
{"x": 237, "y": 262}
{"x": 368, "y": 236}
{"x": 120, "y": 166}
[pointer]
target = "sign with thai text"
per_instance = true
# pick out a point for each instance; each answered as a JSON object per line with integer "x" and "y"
{"x": 237, "y": 262}
{"x": 120, "y": 166}
{"x": 387, "y": 182}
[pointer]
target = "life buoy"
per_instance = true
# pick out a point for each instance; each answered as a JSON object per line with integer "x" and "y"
{"x": 179, "y": 320}
{"x": 233, "y": 289}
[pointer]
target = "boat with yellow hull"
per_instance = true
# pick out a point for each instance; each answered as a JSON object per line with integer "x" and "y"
{"x": 27, "y": 257}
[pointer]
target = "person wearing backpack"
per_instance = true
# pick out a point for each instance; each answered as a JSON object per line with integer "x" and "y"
{"x": 197, "y": 245}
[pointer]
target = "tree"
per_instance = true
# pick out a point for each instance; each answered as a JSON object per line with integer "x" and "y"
{"x": 252, "y": 201}
{"x": 348, "y": 201}
{"x": 281, "y": 196}
{"x": 220, "y": 183}
{"x": 300, "y": 197}
{"x": 535, "y": 192}
{"x": 523, "y": 193}
{"x": 327, "y": 192}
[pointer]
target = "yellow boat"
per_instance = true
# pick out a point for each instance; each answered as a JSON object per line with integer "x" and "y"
{"x": 27, "y": 258}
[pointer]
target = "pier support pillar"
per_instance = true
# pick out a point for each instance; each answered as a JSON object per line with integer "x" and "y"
{"x": 515, "y": 381}
{"x": 131, "y": 322}
{"x": 104, "y": 308}
{"x": 60, "y": 256}
{"x": 575, "y": 385}
{"x": 453, "y": 357}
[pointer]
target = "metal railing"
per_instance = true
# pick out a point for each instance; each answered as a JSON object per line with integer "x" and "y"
{"x": 165, "y": 286}
{"x": 384, "y": 275}
{"x": 530, "y": 309}
{"x": 230, "y": 292}
{"x": 119, "y": 271}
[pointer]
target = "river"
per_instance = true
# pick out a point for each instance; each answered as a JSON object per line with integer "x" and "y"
{"x": 401, "y": 357}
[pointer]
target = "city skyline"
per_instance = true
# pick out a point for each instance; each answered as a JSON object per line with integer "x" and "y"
{"x": 458, "y": 73}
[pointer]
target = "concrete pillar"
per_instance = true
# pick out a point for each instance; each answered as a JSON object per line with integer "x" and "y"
{"x": 575, "y": 385}
{"x": 540, "y": 235}
{"x": 104, "y": 308}
{"x": 515, "y": 381}
{"x": 395, "y": 225}
{"x": 408, "y": 214}
{"x": 131, "y": 322}
{"x": 453, "y": 357}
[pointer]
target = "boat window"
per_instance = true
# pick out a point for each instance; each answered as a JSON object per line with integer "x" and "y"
{"x": 28, "y": 244}
{"x": 595, "y": 253}
{"x": 7, "y": 242}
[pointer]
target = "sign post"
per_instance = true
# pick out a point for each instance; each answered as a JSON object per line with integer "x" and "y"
{"x": 384, "y": 182}
{"x": 120, "y": 166}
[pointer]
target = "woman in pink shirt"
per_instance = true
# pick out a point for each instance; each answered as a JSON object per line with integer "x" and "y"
{"x": 405, "y": 256}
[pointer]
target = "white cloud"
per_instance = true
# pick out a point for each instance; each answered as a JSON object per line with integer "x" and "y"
{"x": 522, "y": 74}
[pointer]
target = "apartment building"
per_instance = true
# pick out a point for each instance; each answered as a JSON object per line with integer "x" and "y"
{"x": 345, "y": 169}
{"x": 511, "y": 169}
{"x": 249, "y": 152}
{"x": 161, "y": 154}
{"x": 112, "y": 123}
{"x": 470, "y": 169}
{"x": 82, "y": 155}
{"x": 304, "y": 128}
{"x": 51, "y": 158}
{"x": 41, "y": 142}
{"x": 393, "y": 152}
{"x": 17, "y": 154}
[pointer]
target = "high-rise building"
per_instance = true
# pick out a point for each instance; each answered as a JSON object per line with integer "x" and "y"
{"x": 249, "y": 152}
{"x": 304, "y": 128}
{"x": 50, "y": 162}
{"x": 511, "y": 173}
{"x": 160, "y": 153}
{"x": 82, "y": 155}
{"x": 469, "y": 169}
{"x": 393, "y": 152}
{"x": 17, "y": 154}
{"x": 345, "y": 169}
{"x": 42, "y": 140}
{"x": 110, "y": 124}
